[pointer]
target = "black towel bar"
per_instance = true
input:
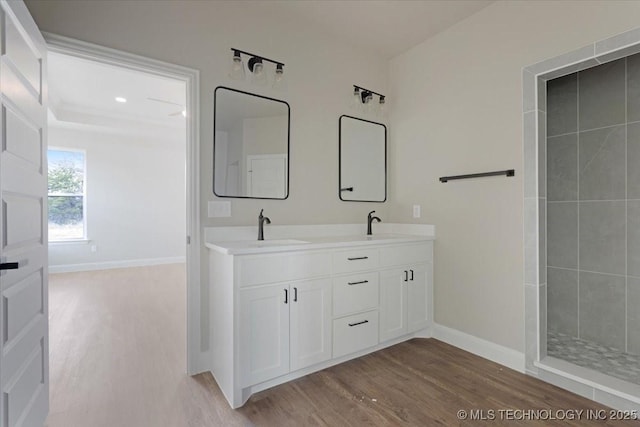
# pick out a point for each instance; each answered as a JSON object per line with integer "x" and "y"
{"x": 508, "y": 172}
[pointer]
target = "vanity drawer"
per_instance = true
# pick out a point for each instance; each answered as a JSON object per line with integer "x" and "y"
{"x": 355, "y": 293}
{"x": 353, "y": 333}
{"x": 273, "y": 268}
{"x": 355, "y": 260}
{"x": 407, "y": 254}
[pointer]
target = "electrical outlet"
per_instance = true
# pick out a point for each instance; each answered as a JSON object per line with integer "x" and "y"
{"x": 94, "y": 248}
{"x": 416, "y": 211}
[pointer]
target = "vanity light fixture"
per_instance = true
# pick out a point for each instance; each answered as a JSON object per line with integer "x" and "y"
{"x": 363, "y": 100}
{"x": 256, "y": 67}
{"x": 120, "y": 99}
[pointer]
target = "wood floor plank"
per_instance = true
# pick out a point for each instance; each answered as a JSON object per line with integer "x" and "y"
{"x": 118, "y": 358}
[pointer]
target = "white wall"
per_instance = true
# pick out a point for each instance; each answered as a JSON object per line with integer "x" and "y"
{"x": 135, "y": 200}
{"x": 457, "y": 108}
{"x": 320, "y": 69}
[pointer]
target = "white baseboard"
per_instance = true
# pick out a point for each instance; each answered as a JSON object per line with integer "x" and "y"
{"x": 496, "y": 353}
{"x": 107, "y": 265}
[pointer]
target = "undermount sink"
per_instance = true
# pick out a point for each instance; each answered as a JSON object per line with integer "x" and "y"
{"x": 278, "y": 242}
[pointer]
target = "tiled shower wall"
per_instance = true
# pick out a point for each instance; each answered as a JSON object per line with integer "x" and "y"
{"x": 593, "y": 205}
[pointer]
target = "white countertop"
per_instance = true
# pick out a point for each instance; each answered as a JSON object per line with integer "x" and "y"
{"x": 242, "y": 247}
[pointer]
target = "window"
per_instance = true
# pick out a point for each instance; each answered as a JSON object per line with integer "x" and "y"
{"x": 66, "y": 194}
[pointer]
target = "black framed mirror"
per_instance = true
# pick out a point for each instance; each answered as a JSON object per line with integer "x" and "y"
{"x": 363, "y": 160}
{"x": 250, "y": 145}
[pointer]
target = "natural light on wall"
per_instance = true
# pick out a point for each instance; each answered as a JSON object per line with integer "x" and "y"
{"x": 66, "y": 195}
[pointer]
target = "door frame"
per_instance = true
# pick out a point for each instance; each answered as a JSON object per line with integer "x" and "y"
{"x": 59, "y": 44}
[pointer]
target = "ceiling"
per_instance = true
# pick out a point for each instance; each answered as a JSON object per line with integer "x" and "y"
{"x": 83, "y": 92}
{"x": 388, "y": 27}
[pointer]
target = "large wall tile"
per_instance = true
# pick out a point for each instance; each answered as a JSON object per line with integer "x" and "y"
{"x": 633, "y": 238}
{"x": 633, "y": 315}
{"x": 562, "y": 237}
{"x": 562, "y": 301}
{"x": 633, "y": 160}
{"x": 602, "y": 95}
{"x": 602, "y": 164}
{"x": 602, "y": 237}
{"x": 562, "y": 105}
{"x": 602, "y": 308}
{"x": 562, "y": 167}
{"x": 633, "y": 88}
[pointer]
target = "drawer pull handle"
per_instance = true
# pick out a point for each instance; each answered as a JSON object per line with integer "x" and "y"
{"x": 411, "y": 275}
{"x": 286, "y": 296}
{"x": 406, "y": 276}
{"x": 295, "y": 294}
{"x": 357, "y": 283}
{"x": 358, "y": 258}
{"x": 358, "y": 323}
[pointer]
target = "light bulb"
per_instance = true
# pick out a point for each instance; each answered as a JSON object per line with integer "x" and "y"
{"x": 279, "y": 81}
{"x": 259, "y": 76}
{"x": 236, "y": 72}
{"x": 356, "y": 100}
{"x": 382, "y": 107}
{"x": 369, "y": 104}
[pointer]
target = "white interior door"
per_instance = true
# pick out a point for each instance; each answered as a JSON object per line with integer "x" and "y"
{"x": 24, "y": 346}
{"x": 267, "y": 176}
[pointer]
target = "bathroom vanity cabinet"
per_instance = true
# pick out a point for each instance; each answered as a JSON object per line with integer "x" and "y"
{"x": 279, "y": 312}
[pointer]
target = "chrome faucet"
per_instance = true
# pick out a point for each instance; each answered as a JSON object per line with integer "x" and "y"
{"x": 261, "y": 220}
{"x": 370, "y": 219}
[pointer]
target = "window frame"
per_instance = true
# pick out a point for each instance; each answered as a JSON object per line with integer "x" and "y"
{"x": 84, "y": 237}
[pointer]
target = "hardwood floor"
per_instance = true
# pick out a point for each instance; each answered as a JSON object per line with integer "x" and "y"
{"x": 117, "y": 341}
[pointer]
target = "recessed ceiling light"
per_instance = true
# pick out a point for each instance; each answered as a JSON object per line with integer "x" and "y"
{"x": 121, "y": 99}
{"x": 184, "y": 113}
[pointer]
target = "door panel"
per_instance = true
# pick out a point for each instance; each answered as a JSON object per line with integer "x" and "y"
{"x": 29, "y": 382}
{"x": 310, "y": 316}
{"x": 24, "y": 348}
{"x": 264, "y": 333}
{"x": 418, "y": 298}
{"x": 23, "y": 216}
{"x": 20, "y": 92}
{"x": 23, "y": 57}
{"x": 24, "y": 302}
{"x": 22, "y": 139}
{"x": 393, "y": 304}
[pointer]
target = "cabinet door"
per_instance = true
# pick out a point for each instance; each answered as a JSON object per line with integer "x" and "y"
{"x": 418, "y": 297}
{"x": 393, "y": 303}
{"x": 310, "y": 326}
{"x": 264, "y": 333}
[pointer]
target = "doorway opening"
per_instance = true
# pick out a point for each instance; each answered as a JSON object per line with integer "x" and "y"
{"x": 179, "y": 111}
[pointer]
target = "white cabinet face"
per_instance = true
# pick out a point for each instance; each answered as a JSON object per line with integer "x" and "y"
{"x": 393, "y": 304}
{"x": 310, "y": 323}
{"x": 418, "y": 298}
{"x": 405, "y": 304}
{"x": 264, "y": 333}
